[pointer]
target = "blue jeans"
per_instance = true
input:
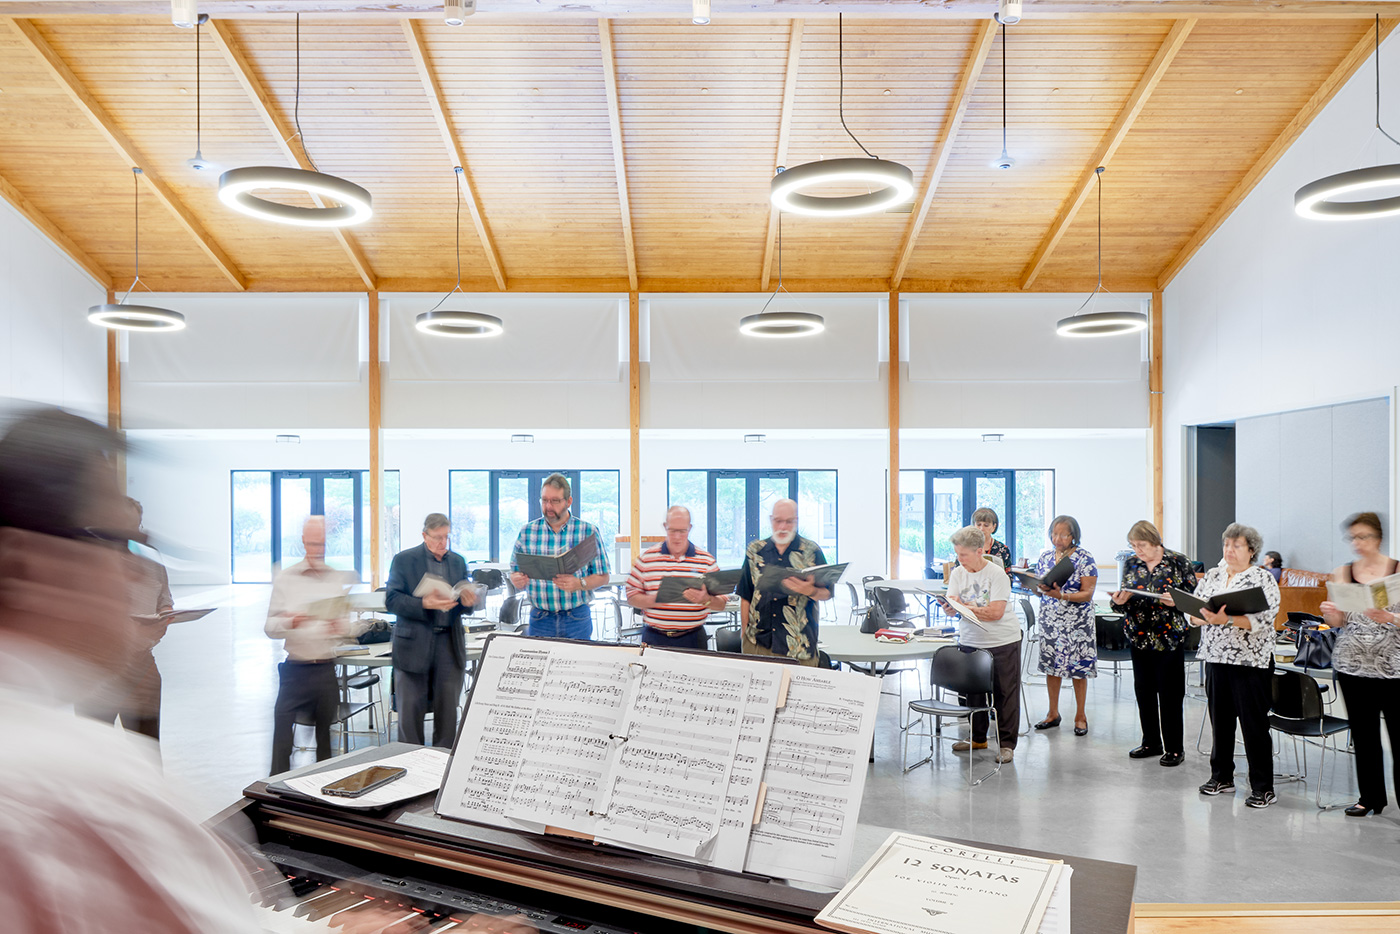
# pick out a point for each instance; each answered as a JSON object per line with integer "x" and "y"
{"x": 568, "y": 624}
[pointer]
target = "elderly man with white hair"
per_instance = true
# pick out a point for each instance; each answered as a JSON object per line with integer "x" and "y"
{"x": 673, "y": 625}
{"x": 782, "y": 621}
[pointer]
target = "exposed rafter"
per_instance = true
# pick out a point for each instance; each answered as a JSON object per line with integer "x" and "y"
{"x": 1358, "y": 56}
{"x": 1176, "y": 38}
{"x": 283, "y": 133}
{"x": 784, "y": 134}
{"x": 605, "y": 39}
{"x": 49, "y": 229}
{"x": 99, "y": 118}
{"x": 428, "y": 77}
{"x": 981, "y": 46}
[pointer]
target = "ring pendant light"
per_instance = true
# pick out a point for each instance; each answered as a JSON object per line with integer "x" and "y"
{"x": 1100, "y": 323}
{"x": 894, "y": 183}
{"x": 781, "y": 323}
{"x": 461, "y": 324}
{"x": 238, "y": 187}
{"x": 1315, "y": 199}
{"x": 123, "y": 317}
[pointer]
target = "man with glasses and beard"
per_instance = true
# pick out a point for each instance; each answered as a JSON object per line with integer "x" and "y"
{"x": 781, "y": 621}
{"x": 559, "y": 607}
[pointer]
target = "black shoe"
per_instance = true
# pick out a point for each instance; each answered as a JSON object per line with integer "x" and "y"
{"x": 1048, "y": 724}
{"x": 1214, "y": 787}
{"x": 1260, "y": 799}
{"x": 1082, "y": 730}
{"x": 1173, "y": 759}
{"x": 1360, "y": 810}
{"x": 1143, "y": 752}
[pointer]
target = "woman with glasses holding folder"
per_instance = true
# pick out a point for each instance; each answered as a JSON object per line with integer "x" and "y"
{"x": 1238, "y": 650}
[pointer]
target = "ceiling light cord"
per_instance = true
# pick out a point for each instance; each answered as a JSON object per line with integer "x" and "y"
{"x": 1098, "y": 184}
{"x": 296, "y": 103}
{"x": 457, "y": 187}
{"x": 1003, "y": 87}
{"x": 198, "y": 95}
{"x": 136, "y": 225}
{"x": 1378, "y": 84}
{"x": 841, "y": 86}
{"x": 780, "y": 266}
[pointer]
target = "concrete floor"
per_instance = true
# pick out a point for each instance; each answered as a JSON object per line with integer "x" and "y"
{"x": 1067, "y": 794}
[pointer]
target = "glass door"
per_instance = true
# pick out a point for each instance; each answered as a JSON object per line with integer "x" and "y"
{"x": 294, "y": 502}
{"x": 739, "y": 503}
{"x": 343, "y": 520}
{"x": 511, "y": 507}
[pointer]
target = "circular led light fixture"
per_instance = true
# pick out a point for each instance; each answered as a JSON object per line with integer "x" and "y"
{"x": 459, "y": 324}
{"x": 896, "y": 187}
{"x": 782, "y": 324}
{"x": 237, "y": 187}
{"x": 1314, "y": 200}
{"x": 1101, "y": 324}
{"x": 136, "y": 318}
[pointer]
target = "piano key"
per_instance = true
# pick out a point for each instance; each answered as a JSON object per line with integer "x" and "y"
{"x": 328, "y": 895}
{"x": 344, "y": 901}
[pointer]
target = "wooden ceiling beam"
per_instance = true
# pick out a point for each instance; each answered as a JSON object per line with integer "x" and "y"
{"x": 97, "y": 115}
{"x": 972, "y": 71}
{"x": 284, "y": 133}
{"x": 51, "y": 230}
{"x": 1358, "y": 56}
{"x": 428, "y": 76}
{"x": 605, "y": 40}
{"x": 1166, "y": 52}
{"x": 784, "y": 134}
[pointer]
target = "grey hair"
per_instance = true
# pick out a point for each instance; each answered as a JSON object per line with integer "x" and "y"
{"x": 969, "y": 536}
{"x": 1251, "y": 536}
{"x": 984, "y": 514}
{"x": 560, "y": 483}
{"x": 1068, "y": 521}
{"x": 435, "y": 520}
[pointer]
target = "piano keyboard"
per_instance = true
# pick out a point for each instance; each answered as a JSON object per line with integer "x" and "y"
{"x": 309, "y": 891}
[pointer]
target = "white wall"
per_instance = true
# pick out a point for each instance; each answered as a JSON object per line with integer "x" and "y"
{"x": 48, "y": 351}
{"x": 1277, "y": 313}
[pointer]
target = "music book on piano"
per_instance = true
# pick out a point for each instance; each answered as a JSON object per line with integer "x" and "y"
{"x": 732, "y": 763}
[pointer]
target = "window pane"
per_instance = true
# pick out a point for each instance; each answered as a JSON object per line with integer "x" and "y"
{"x": 600, "y": 503}
{"x": 816, "y": 509}
{"x": 731, "y": 520}
{"x": 1035, "y": 507}
{"x": 687, "y": 488}
{"x": 947, "y": 515}
{"x": 390, "y": 522}
{"x": 513, "y": 505}
{"x": 339, "y": 499}
{"x": 469, "y": 505}
{"x": 911, "y": 524}
{"x": 252, "y": 526}
{"x": 295, "y": 507}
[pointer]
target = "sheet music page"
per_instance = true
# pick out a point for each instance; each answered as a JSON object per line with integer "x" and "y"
{"x": 815, "y": 773}
{"x": 667, "y": 785}
{"x": 731, "y": 846}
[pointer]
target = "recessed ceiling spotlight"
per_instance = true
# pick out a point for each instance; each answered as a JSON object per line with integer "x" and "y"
{"x": 1008, "y": 12}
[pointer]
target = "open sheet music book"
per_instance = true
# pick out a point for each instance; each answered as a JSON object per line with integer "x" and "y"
{"x": 1062, "y": 571}
{"x": 730, "y": 763}
{"x": 1357, "y": 598}
{"x": 548, "y": 567}
{"x": 172, "y": 616}
{"x": 823, "y": 575}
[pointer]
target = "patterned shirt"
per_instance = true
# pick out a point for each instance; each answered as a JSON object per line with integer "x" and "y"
{"x": 657, "y": 563}
{"x": 1150, "y": 625}
{"x": 537, "y": 538}
{"x": 999, "y": 550}
{"x": 1231, "y": 645}
{"x": 783, "y": 622}
{"x": 1368, "y": 649}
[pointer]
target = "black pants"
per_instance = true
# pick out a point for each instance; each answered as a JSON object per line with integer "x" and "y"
{"x": 1159, "y": 681}
{"x": 1243, "y": 693}
{"x": 1006, "y": 696}
{"x": 1367, "y": 699}
{"x": 439, "y": 688}
{"x": 690, "y": 639}
{"x": 304, "y": 687}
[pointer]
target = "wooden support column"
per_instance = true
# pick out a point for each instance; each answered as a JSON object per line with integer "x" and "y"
{"x": 376, "y": 465}
{"x": 894, "y": 433}
{"x": 1154, "y": 403}
{"x": 634, "y": 408}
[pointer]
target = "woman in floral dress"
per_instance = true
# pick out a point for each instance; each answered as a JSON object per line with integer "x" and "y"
{"x": 1068, "y": 648}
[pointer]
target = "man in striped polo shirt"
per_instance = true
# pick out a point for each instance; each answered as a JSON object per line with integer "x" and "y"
{"x": 559, "y": 607}
{"x": 673, "y": 625}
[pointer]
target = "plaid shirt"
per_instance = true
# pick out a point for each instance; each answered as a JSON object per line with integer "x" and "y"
{"x": 537, "y": 538}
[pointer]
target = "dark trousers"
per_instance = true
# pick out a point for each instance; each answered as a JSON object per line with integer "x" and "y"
{"x": 1243, "y": 693}
{"x": 1367, "y": 699}
{"x": 1159, "y": 681}
{"x": 304, "y": 688}
{"x": 1006, "y": 696}
{"x": 690, "y": 639}
{"x": 439, "y": 687}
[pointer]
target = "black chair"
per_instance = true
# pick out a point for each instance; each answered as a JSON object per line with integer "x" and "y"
{"x": 1297, "y": 712}
{"x": 896, "y": 609}
{"x": 964, "y": 672}
{"x": 858, "y": 605}
{"x": 824, "y": 661}
{"x": 509, "y": 617}
{"x": 729, "y": 639}
{"x": 1112, "y": 641}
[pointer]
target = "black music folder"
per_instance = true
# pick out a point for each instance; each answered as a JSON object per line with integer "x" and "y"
{"x": 548, "y": 567}
{"x": 1235, "y": 602}
{"x": 1057, "y": 575}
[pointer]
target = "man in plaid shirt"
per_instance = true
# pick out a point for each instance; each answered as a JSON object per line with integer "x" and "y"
{"x": 559, "y": 607}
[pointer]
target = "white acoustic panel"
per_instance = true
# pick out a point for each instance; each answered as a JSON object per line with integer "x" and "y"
{"x": 548, "y": 338}
{"x": 245, "y": 338}
{"x": 695, "y": 338}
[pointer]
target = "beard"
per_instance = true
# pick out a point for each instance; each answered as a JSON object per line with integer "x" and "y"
{"x": 785, "y": 536}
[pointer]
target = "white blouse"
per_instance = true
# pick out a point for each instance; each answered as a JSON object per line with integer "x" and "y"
{"x": 1231, "y": 645}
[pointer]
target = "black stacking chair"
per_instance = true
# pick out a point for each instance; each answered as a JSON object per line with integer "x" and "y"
{"x": 963, "y": 672}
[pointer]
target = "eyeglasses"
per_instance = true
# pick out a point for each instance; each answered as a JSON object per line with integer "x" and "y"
{"x": 776, "y": 521}
{"x": 1363, "y": 537}
{"x": 671, "y": 531}
{"x": 553, "y": 502}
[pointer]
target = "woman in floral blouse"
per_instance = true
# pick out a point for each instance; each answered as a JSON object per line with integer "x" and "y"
{"x": 1068, "y": 647}
{"x": 1239, "y": 656}
{"x": 1156, "y": 630}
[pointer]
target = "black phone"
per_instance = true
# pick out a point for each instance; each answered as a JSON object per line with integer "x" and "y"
{"x": 364, "y": 781}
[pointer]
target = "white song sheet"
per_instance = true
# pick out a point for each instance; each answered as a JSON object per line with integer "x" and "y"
{"x": 732, "y": 844}
{"x": 815, "y": 774}
{"x": 666, "y": 788}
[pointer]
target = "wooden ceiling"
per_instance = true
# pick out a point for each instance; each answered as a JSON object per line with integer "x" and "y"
{"x": 620, "y": 147}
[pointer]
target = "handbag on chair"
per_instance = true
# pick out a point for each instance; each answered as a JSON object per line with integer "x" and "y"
{"x": 875, "y": 618}
{"x": 1315, "y": 647}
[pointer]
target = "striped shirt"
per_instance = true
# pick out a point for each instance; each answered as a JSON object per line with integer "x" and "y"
{"x": 537, "y": 538}
{"x": 656, "y": 563}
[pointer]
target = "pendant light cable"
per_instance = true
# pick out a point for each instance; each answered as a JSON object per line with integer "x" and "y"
{"x": 136, "y": 226}
{"x": 1003, "y": 87}
{"x": 198, "y": 95}
{"x": 457, "y": 187}
{"x": 1098, "y": 184}
{"x": 780, "y": 266}
{"x": 841, "y": 86}
{"x": 296, "y": 103}
{"x": 1378, "y": 84}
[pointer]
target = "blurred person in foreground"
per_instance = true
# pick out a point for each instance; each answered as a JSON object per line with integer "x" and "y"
{"x": 92, "y": 836}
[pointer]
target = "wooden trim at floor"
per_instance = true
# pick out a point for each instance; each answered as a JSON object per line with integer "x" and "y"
{"x": 1279, "y": 918}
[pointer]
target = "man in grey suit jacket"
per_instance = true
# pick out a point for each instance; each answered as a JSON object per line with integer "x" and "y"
{"x": 430, "y": 647}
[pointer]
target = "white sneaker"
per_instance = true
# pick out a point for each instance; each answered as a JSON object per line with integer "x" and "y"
{"x": 1005, "y": 754}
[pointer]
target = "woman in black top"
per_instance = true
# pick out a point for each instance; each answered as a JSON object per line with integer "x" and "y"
{"x": 986, "y": 520}
{"x": 1157, "y": 631}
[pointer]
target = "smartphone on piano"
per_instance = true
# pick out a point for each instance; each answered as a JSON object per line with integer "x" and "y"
{"x": 364, "y": 781}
